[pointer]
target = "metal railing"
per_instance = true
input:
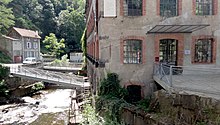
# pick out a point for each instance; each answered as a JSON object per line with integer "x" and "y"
{"x": 164, "y": 72}
{"x": 169, "y": 73}
{"x": 36, "y": 73}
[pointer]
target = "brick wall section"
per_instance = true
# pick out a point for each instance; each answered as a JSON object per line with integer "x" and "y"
{"x": 143, "y": 7}
{"x": 179, "y": 7}
{"x": 143, "y": 39}
{"x": 91, "y": 24}
{"x": 215, "y": 6}
{"x": 96, "y": 48}
{"x": 214, "y": 44}
{"x": 180, "y": 47}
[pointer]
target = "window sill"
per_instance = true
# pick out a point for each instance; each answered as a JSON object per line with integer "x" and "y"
{"x": 202, "y": 63}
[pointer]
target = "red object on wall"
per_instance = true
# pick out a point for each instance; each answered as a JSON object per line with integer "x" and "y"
{"x": 156, "y": 59}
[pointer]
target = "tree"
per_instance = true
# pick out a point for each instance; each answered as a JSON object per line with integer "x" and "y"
{"x": 48, "y": 23}
{"x": 71, "y": 24}
{"x": 53, "y": 46}
{"x": 27, "y": 13}
{"x": 6, "y": 16}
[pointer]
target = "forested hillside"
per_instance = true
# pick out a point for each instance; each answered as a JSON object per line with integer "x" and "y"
{"x": 65, "y": 18}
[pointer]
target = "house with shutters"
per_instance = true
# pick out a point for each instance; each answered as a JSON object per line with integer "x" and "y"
{"x": 134, "y": 37}
{"x": 24, "y": 43}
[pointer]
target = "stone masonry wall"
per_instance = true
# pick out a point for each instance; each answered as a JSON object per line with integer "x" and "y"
{"x": 176, "y": 109}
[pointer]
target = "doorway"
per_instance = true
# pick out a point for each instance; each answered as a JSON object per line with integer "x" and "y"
{"x": 168, "y": 51}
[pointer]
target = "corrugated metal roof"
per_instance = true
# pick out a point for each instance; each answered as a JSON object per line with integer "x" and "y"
{"x": 176, "y": 28}
{"x": 27, "y": 33}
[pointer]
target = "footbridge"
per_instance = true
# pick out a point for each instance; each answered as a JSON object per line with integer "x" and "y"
{"x": 200, "y": 80}
{"x": 62, "y": 79}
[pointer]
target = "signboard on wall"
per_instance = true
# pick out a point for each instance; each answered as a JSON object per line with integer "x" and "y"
{"x": 187, "y": 52}
{"x": 110, "y": 8}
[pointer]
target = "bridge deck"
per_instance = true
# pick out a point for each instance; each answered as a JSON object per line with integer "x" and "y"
{"x": 71, "y": 81}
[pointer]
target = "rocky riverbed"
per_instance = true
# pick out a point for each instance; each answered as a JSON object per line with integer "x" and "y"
{"x": 48, "y": 107}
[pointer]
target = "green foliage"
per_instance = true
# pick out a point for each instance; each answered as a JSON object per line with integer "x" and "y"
{"x": 38, "y": 86}
{"x": 65, "y": 18}
{"x": 110, "y": 86}
{"x": 56, "y": 62}
{"x": 111, "y": 98}
{"x": 63, "y": 62}
{"x": 90, "y": 117}
{"x": 111, "y": 108}
{"x": 3, "y": 89}
{"x": 144, "y": 104}
{"x": 71, "y": 25}
{"x": 83, "y": 42}
{"x": 83, "y": 47}
{"x": 4, "y": 58}
{"x": 6, "y": 16}
{"x": 4, "y": 72}
{"x": 53, "y": 46}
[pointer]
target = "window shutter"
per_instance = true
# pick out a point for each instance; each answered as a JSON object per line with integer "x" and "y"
{"x": 110, "y": 8}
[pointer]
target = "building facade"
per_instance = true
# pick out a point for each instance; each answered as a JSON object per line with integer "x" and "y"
{"x": 30, "y": 42}
{"x": 128, "y": 36}
{"x": 11, "y": 47}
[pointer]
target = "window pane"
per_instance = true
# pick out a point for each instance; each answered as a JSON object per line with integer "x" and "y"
{"x": 203, "y": 51}
{"x": 168, "y": 8}
{"x": 132, "y": 7}
{"x": 204, "y": 7}
{"x": 132, "y": 51}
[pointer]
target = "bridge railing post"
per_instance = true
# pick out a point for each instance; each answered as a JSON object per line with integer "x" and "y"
{"x": 171, "y": 74}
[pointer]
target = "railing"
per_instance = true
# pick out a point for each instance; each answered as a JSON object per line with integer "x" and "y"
{"x": 169, "y": 73}
{"x": 164, "y": 72}
{"x": 47, "y": 75}
{"x": 69, "y": 67}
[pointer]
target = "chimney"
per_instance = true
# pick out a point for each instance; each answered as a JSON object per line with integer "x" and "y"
{"x": 36, "y": 33}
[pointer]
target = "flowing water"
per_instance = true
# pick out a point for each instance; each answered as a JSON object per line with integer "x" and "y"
{"x": 51, "y": 110}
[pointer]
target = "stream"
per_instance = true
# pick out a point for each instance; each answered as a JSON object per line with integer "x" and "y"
{"x": 50, "y": 107}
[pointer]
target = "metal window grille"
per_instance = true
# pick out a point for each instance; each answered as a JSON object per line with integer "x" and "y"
{"x": 133, "y": 51}
{"x": 204, "y": 7}
{"x": 132, "y": 7}
{"x": 168, "y": 8}
{"x": 203, "y": 51}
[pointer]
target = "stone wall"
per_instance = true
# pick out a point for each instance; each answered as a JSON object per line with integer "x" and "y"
{"x": 15, "y": 82}
{"x": 177, "y": 109}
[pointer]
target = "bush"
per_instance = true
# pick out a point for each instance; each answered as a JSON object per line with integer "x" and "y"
{"x": 38, "y": 86}
{"x": 63, "y": 62}
{"x": 4, "y": 72}
{"x": 3, "y": 89}
{"x": 110, "y": 86}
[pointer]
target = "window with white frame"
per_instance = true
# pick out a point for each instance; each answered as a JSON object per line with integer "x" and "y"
{"x": 168, "y": 8}
{"x": 35, "y": 45}
{"x": 203, "y": 51}
{"x": 133, "y": 7}
{"x": 132, "y": 51}
{"x": 204, "y": 7}
{"x": 28, "y": 45}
